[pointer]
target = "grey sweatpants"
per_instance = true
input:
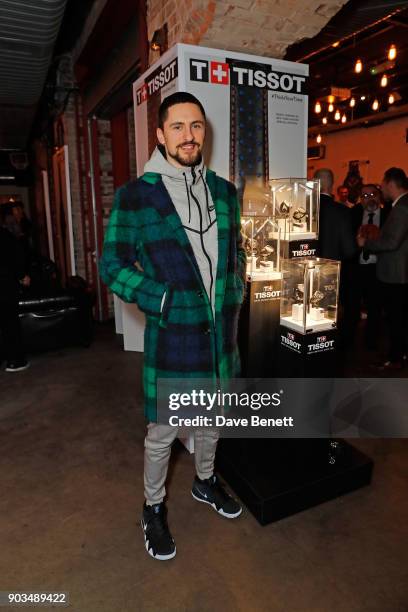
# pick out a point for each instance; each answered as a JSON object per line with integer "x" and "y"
{"x": 158, "y": 442}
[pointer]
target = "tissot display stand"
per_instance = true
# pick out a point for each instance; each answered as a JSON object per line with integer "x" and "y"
{"x": 308, "y": 317}
{"x": 295, "y": 209}
{"x": 276, "y": 478}
{"x": 259, "y": 318}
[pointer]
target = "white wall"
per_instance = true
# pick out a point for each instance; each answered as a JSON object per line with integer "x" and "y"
{"x": 378, "y": 148}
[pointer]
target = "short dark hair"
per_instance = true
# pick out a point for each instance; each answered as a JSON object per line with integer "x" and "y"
{"x": 397, "y": 176}
{"x": 371, "y": 186}
{"x": 180, "y": 97}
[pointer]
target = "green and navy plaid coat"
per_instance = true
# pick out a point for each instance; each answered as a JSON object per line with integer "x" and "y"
{"x": 147, "y": 254}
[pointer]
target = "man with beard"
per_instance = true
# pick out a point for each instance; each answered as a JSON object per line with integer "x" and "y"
{"x": 173, "y": 246}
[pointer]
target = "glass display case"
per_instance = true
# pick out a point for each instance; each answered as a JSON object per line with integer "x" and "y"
{"x": 262, "y": 245}
{"x": 309, "y": 296}
{"x": 295, "y": 207}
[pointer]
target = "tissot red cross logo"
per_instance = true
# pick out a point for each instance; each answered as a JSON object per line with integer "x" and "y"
{"x": 144, "y": 92}
{"x": 219, "y": 73}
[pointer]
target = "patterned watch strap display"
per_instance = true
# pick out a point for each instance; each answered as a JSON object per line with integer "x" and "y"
{"x": 249, "y": 134}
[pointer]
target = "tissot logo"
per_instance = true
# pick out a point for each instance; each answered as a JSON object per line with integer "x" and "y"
{"x": 246, "y": 74}
{"x": 268, "y": 293}
{"x": 289, "y": 341}
{"x": 219, "y": 73}
{"x": 322, "y": 344}
{"x": 155, "y": 81}
{"x": 303, "y": 251}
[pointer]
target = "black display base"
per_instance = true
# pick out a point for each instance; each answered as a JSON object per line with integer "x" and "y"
{"x": 276, "y": 478}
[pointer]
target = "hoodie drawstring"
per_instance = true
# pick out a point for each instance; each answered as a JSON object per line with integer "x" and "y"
{"x": 188, "y": 198}
{"x": 206, "y": 196}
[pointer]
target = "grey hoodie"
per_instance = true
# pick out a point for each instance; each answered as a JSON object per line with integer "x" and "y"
{"x": 192, "y": 199}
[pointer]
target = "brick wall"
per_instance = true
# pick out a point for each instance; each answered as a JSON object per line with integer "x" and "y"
{"x": 262, "y": 27}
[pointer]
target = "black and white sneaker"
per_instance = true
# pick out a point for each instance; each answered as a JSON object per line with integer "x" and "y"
{"x": 159, "y": 542}
{"x": 17, "y": 366}
{"x": 211, "y": 491}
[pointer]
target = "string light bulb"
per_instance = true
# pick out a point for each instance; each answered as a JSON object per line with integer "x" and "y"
{"x": 318, "y": 107}
{"x": 330, "y": 108}
{"x": 391, "y": 99}
{"x": 352, "y": 102}
{"x": 375, "y": 105}
{"x": 344, "y": 118}
{"x": 384, "y": 81}
{"x": 324, "y": 120}
{"x": 392, "y": 53}
{"x": 318, "y": 138}
{"x": 358, "y": 66}
{"x": 362, "y": 98}
{"x": 337, "y": 115}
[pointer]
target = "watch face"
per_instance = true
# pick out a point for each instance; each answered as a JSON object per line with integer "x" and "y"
{"x": 298, "y": 293}
{"x": 316, "y": 298}
{"x": 284, "y": 208}
{"x": 299, "y": 214}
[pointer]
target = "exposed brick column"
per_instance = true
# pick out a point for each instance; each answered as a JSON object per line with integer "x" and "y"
{"x": 262, "y": 27}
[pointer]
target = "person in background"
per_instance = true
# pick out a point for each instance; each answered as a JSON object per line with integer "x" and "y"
{"x": 337, "y": 241}
{"x": 342, "y": 196}
{"x": 12, "y": 274}
{"x": 368, "y": 217}
{"x": 391, "y": 250}
{"x": 17, "y": 222}
{"x": 336, "y": 238}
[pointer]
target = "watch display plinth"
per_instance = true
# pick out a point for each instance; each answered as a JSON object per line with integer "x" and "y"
{"x": 312, "y": 325}
{"x": 276, "y": 478}
{"x": 258, "y": 328}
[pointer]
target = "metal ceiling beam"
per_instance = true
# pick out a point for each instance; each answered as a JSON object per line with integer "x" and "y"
{"x": 28, "y": 31}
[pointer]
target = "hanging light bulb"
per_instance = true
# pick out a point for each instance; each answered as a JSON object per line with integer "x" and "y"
{"x": 391, "y": 99}
{"x": 318, "y": 138}
{"x": 337, "y": 115}
{"x": 362, "y": 98}
{"x": 375, "y": 105}
{"x": 330, "y": 108}
{"x": 384, "y": 81}
{"x": 352, "y": 102}
{"x": 358, "y": 66}
{"x": 344, "y": 118}
{"x": 318, "y": 107}
{"x": 392, "y": 52}
{"x": 324, "y": 120}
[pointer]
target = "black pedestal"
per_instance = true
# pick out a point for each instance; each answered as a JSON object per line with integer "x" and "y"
{"x": 277, "y": 478}
{"x": 258, "y": 328}
{"x": 310, "y": 355}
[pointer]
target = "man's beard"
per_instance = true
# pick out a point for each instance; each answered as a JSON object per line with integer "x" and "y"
{"x": 193, "y": 160}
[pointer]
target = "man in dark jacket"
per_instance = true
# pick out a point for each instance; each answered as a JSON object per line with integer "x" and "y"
{"x": 391, "y": 249}
{"x": 336, "y": 238}
{"x": 12, "y": 272}
{"x": 368, "y": 217}
{"x": 337, "y": 241}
